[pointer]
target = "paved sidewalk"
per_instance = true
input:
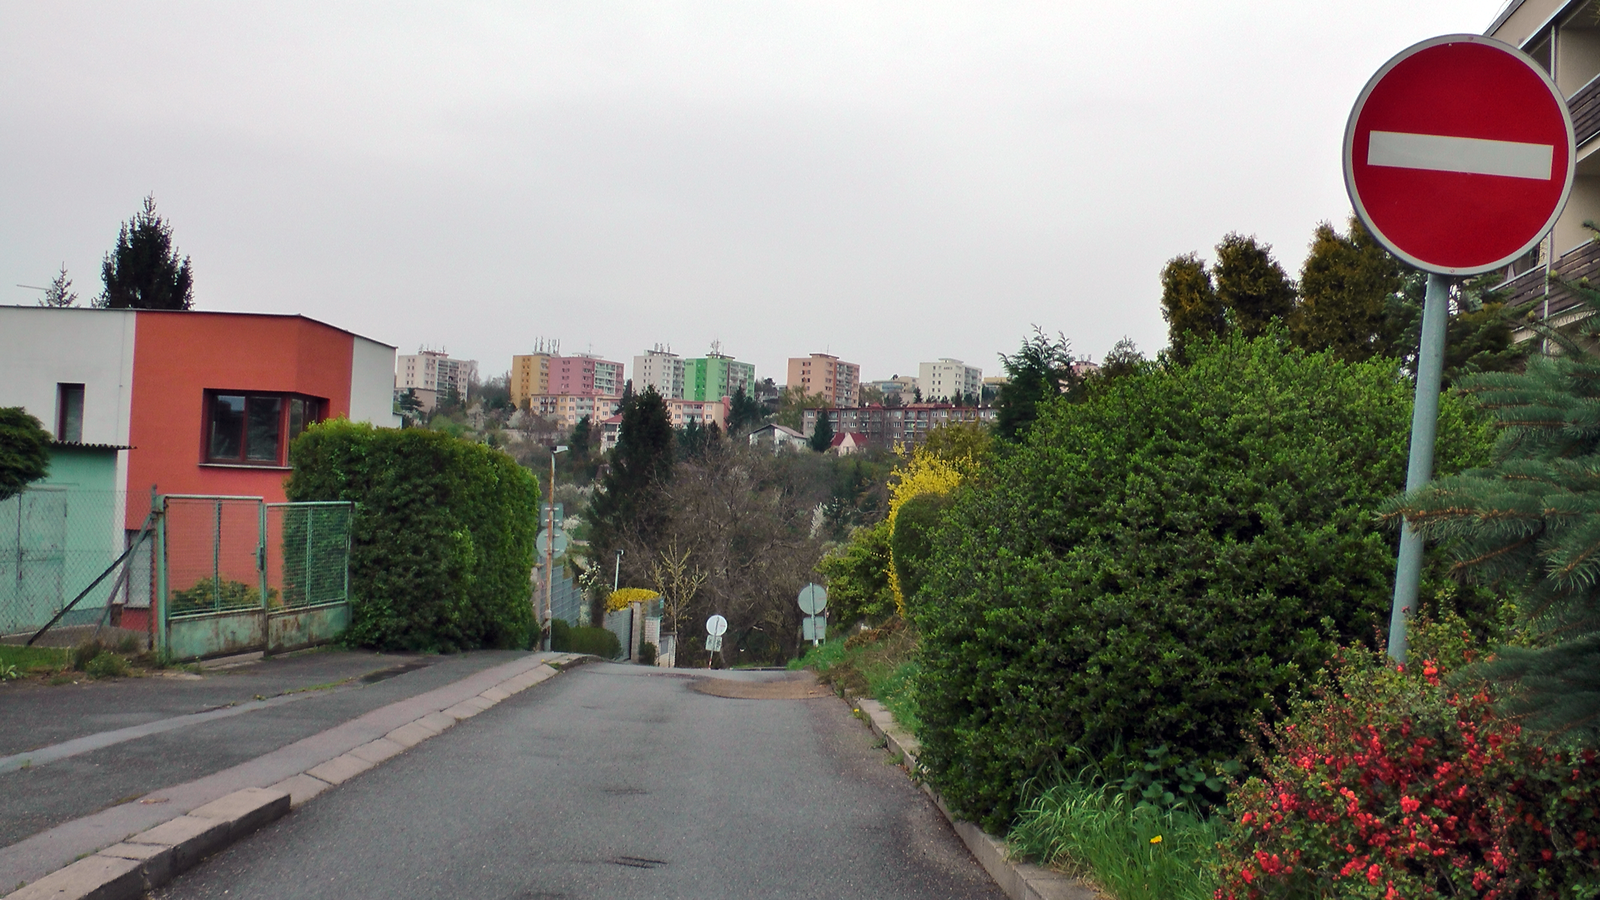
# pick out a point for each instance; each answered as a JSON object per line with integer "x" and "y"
{"x": 199, "y": 748}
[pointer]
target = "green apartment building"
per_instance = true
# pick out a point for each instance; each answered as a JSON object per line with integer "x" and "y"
{"x": 712, "y": 377}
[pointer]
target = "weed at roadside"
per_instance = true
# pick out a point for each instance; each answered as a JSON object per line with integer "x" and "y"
{"x": 879, "y": 663}
{"x": 1128, "y": 851}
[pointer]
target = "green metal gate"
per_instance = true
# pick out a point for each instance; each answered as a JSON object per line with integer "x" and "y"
{"x": 238, "y": 574}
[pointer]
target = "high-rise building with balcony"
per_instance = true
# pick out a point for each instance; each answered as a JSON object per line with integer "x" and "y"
{"x": 948, "y": 378}
{"x": 661, "y": 369}
{"x": 1563, "y": 36}
{"x": 550, "y": 374}
{"x": 822, "y": 373}
{"x": 433, "y": 375}
{"x": 716, "y": 375}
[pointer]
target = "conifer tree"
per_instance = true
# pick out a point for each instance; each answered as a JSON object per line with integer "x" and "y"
{"x": 822, "y": 435}
{"x": 1345, "y": 286}
{"x": 1529, "y": 524}
{"x": 629, "y": 502}
{"x": 1036, "y": 373}
{"x": 1189, "y": 303}
{"x": 143, "y": 271}
{"x": 1251, "y": 285}
{"x": 60, "y": 293}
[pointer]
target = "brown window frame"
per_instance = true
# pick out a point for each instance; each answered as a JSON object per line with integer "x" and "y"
{"x": 312, "y": 410}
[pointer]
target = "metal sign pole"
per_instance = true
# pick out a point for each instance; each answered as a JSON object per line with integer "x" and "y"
{"x": 1419, "y": 471}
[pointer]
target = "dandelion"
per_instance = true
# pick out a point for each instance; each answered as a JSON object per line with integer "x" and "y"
{"x": 1156, "y": 839}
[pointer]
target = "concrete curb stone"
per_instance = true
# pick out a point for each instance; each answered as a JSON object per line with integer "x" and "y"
{"x": 126, "y": 869}
{"x": 1020, "y": 881}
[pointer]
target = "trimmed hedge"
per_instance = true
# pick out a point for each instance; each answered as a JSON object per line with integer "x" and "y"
{"x": 1157, "y": 565}
{"x": 442, "y": 542}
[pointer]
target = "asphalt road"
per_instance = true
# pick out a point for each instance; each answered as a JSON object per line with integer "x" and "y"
{"x": 616, "y": 781}
{"x": 307, "y": 693}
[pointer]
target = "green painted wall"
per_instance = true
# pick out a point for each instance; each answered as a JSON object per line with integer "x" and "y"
{"x": 714, "y": 377}
{"x": 57, "y": 537}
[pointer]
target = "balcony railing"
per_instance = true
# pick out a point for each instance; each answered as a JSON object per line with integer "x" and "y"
{"x": 1531, "y": 288}
{"x": 1585, "y": 107}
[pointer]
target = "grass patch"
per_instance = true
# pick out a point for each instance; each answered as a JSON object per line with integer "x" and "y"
{"x": 1130, "y": 852}
{"x": 879, "y": 663}
{"x": 34, "y": 660}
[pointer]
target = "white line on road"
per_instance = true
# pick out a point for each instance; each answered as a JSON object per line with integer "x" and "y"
{"x": 1471, "y": 156}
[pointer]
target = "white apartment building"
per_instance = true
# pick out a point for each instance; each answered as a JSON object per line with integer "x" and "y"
{"x": 661, "y": 369}
{"x": 434, "y": 371}
{"x": 948, "y": 378}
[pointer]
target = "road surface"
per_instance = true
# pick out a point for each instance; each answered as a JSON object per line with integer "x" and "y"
{"x": 616, "y": 781}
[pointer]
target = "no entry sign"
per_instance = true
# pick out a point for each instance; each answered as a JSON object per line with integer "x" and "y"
{"x": 1459, "y": 154}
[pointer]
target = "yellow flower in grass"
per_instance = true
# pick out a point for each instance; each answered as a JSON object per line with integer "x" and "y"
{"x": 1156, "y": 839}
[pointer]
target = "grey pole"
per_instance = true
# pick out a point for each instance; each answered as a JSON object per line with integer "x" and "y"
{"x": 1424, "y": 428}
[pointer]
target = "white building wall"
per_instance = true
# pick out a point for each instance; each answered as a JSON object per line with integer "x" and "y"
{"x": 372, "y": 379}
{"x": 663, "y": 371}
{"x": 947, "y": 377}
{"x": 41, "y": 348}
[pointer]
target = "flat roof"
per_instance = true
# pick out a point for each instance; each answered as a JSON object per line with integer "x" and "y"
{"x": 194, "y": 312}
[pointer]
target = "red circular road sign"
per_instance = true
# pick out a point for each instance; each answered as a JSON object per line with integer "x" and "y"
{"x": 1459, "y": 154}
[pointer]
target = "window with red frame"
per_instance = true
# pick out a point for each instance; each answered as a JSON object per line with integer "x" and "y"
{"x": 254, "y": 429}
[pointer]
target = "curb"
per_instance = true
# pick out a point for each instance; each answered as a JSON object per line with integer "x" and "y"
{"x": 140, "y": 862}
{"x": 1020, "y": 881}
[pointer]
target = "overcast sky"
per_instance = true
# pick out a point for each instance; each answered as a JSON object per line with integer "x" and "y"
{"x": 887, "y": 182}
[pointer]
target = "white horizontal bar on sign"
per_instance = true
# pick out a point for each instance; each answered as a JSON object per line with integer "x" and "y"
{"x": 1471, "y": 156}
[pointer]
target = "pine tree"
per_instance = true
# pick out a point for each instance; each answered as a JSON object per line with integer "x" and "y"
{"x": 1251, "y": 285}
{"x": 1189, "y": 303}
{"x": 629, "y": 502}
{"x": 1345, "y": 287}
{"x": 1035, "y": 374}
{"x": 60, "y": 293}
{"x": 822, "y": 435}
{"x": 143, "y": 271}
{"x": 1529, "y": 524}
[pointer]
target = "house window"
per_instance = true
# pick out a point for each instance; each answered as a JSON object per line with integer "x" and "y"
{"x": 69, "y": 413}
{"x": 251, "y": 429}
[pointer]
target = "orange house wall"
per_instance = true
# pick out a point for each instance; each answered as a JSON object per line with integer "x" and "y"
{"x": 178, "y": 356}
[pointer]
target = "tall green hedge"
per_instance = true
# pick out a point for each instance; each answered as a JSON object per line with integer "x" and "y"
{"x": 442, "y": 542}
{"x": 1159, "y": 564}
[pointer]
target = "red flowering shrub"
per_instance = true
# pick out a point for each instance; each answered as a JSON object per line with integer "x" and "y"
{"x": 1390, "y": 783}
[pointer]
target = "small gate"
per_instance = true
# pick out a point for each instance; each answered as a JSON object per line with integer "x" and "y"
{"x": 238, "y": 574}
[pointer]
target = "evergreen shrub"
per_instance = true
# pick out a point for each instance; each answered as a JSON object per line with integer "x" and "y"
{"x": 1158, "y": 565}
{"x": 595, "y": 642}
{"x": 912, "y": 540}
{"x": 857, "y": 576}
{"x": 560, "y": 636}
{"x": 442, "y": 541}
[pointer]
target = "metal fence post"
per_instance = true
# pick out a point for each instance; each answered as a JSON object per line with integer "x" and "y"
{"x": 162, "y": 638}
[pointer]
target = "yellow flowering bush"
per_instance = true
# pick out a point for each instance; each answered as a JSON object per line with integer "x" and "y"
{"x": 621, "y": 597}
{"x": 923, "y": 472}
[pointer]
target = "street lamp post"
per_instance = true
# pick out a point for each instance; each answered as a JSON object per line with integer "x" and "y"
{"x": 550, "y": 548}
{"x": 617, "y": 571}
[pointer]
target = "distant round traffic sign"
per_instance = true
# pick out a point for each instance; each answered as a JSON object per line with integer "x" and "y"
{"x": 716, "y": 626}
{"x": 813, "y": 599}
{"x": 1459, "y": 154}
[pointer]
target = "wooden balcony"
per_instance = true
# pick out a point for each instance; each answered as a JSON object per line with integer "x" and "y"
{"x": 1525, "y": 291}
{"x": 1585, "y": 108}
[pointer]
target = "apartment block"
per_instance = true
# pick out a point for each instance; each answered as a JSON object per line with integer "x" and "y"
{"x": 433, "y": 374}
{"x": 822, "y": 373}
{"x": 888, "y": 426}
{"x": 714, "y": 376}
{"x": 552, "y": 374}
{"x": 948, "y": 379}
{"x": 1563, "y": 36}
{"x": 567, "y": 409}
{"x": 661, "y": 369}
